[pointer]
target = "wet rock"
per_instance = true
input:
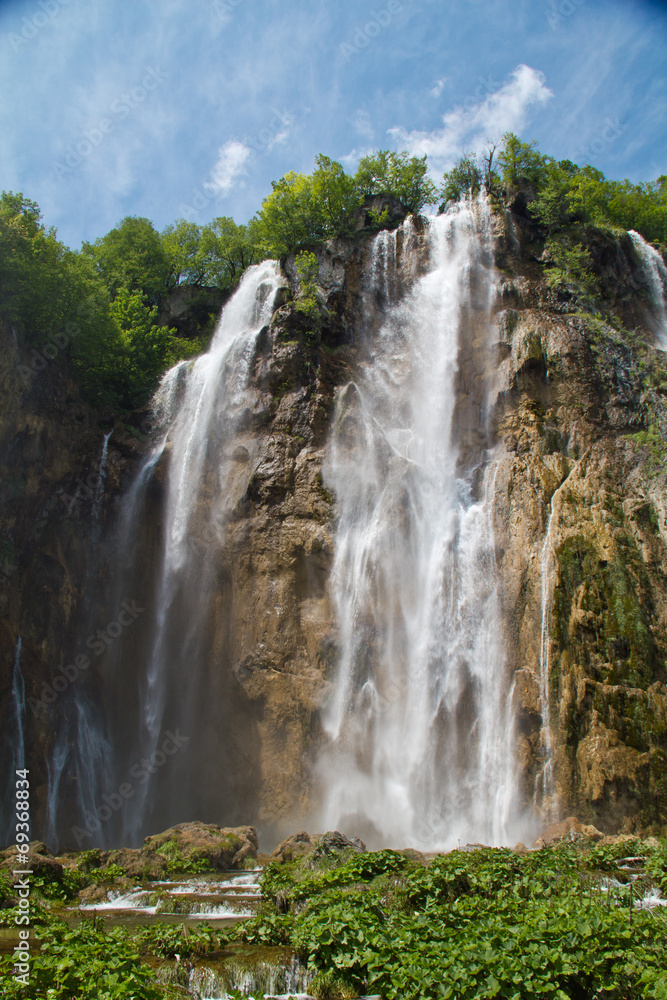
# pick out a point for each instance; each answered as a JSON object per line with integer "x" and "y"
{"x": 223, "y": 847}
{"x": 142, "y": 863}
{"x": 294, "y": 847}
{"x": 334, "y": 842}
{"x": 38, "y": 860}
{"x": 567, "y": 829}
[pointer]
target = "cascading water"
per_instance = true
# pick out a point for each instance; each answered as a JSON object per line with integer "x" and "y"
{"x": 18, "y": 706}
{"x": 420, "y": 721}
{"x": 546, "y": 791}
{"x": 101, "y": 478}
{"x": 656, "y": 277}
{"x": 202, "y": 407}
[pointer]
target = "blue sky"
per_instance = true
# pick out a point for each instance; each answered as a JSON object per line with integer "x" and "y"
{"x": 169, "y": 108}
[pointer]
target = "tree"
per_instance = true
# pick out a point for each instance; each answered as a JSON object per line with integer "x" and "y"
{"x": 336, "y": 196}
{"x": 227, "y": 250}
{"x": 145, "y": 346}
{"x": 520, "y": 163}
{"x": 464, "y": 179}
{"x": 398, "y": 174}
{"x": 290, "y": 216}
{"x": 133, "y": 256}
{"x": 182, "y": 242}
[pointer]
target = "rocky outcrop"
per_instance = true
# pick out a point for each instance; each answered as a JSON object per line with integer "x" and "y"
{"x": 224, "y": 848}
{"x": 576, "y": 398}
{"x": 578, "y": 420}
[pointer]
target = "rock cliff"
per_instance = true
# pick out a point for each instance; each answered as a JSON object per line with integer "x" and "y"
{"x": 578, "y": 413}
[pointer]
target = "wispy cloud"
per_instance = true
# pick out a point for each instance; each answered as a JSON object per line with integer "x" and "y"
{"x": 361, "y": 123}
{"x": 467, "y": 127}
{"x": 231, "y": 164}
{"x": 438, "y": 87}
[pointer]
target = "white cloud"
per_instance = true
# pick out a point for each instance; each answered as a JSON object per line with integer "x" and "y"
{"x": 438, "y": 87}
{"x": 230, "y": 165}
{"x": 470, "y": 124}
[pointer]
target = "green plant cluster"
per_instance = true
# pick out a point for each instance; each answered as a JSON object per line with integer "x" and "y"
{"x": 558, "y": 192}
{"x": 179, "y": 863}
{"x": 489, "y": 923}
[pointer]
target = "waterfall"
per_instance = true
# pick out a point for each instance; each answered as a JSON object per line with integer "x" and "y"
{"x": 201, "y": 407}
{"x": 419, "y": 723}
{"x": 101, "y": 478}
{"x": 547, "y": 790}
{"x": 656, "y": 278}
{"x": 18, "y": 705}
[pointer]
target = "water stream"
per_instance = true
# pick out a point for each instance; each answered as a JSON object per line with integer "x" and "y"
{"x": 656, "y": 277}
{"x": 419, "y": 722}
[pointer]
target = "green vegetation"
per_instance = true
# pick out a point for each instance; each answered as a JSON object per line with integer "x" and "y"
{"x": 554, "y": 923}
{"x": 559, "y": 193}
{"x": 102, "y": 310}
{"x": 490, "y": 923}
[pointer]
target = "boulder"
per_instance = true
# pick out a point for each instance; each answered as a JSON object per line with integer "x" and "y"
{"x": 139, "y": 864}
{"x": 567, "y": 829}
{"x": 294, "y": 847}
{"x": 223, "y": 847}
{"x": 334, "y": 842}
{"x": 38, "y": 861}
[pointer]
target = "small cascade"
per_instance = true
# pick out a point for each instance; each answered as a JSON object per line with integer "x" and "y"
{"x": 280, "y": 978}
{"x": 101, "y": 478}
{"x": 546, "y": 791}
{"x": 18, "y": 705}
{"x": 419, "y": 723}
{"x": 656, "y": 278}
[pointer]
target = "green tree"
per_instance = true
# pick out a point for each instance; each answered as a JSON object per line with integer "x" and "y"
{"x": 133, "y": 256}
{"x": 398, "y": 174}
{"x": 335, "y": 195}
{"x": 290, "y": 216}
{"x": 520, "y": 163}
{"x": 145, "y": 346}
{"x": 227, "y": 250}
{"x": 465, "y": 178}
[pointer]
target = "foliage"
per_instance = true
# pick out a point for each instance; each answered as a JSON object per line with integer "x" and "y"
{"x": 463, "y": 180}
{"x": 490, "y": 923}
{"x": 182, "y": 864}
{"x": 134, "y": 257}
{"x": 169, "y": 940}
{"x": 86, "y": 962}
{"x": 520, "y": 163}
{"x": 398, "y": 174}
{"x": 570, "y": 265}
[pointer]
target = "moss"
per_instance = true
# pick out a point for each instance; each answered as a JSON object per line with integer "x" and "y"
{"x": 614, "y": 599}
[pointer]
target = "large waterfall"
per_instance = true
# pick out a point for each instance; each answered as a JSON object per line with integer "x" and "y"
{"x": 420, "y": 723}
{"x": 416, "y": 743}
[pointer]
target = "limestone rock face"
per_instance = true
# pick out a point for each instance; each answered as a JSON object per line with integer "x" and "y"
{"x": 577, "y": 416}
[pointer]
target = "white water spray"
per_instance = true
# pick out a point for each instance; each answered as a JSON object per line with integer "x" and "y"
{"x": 419, "y": 723}
{"x": 201, "y": 405}
{"x": 18, "y": 705}
{"x": 656, "y": 276}
{"x": 101, "y": 478}
{"x": 547, "y": 789}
